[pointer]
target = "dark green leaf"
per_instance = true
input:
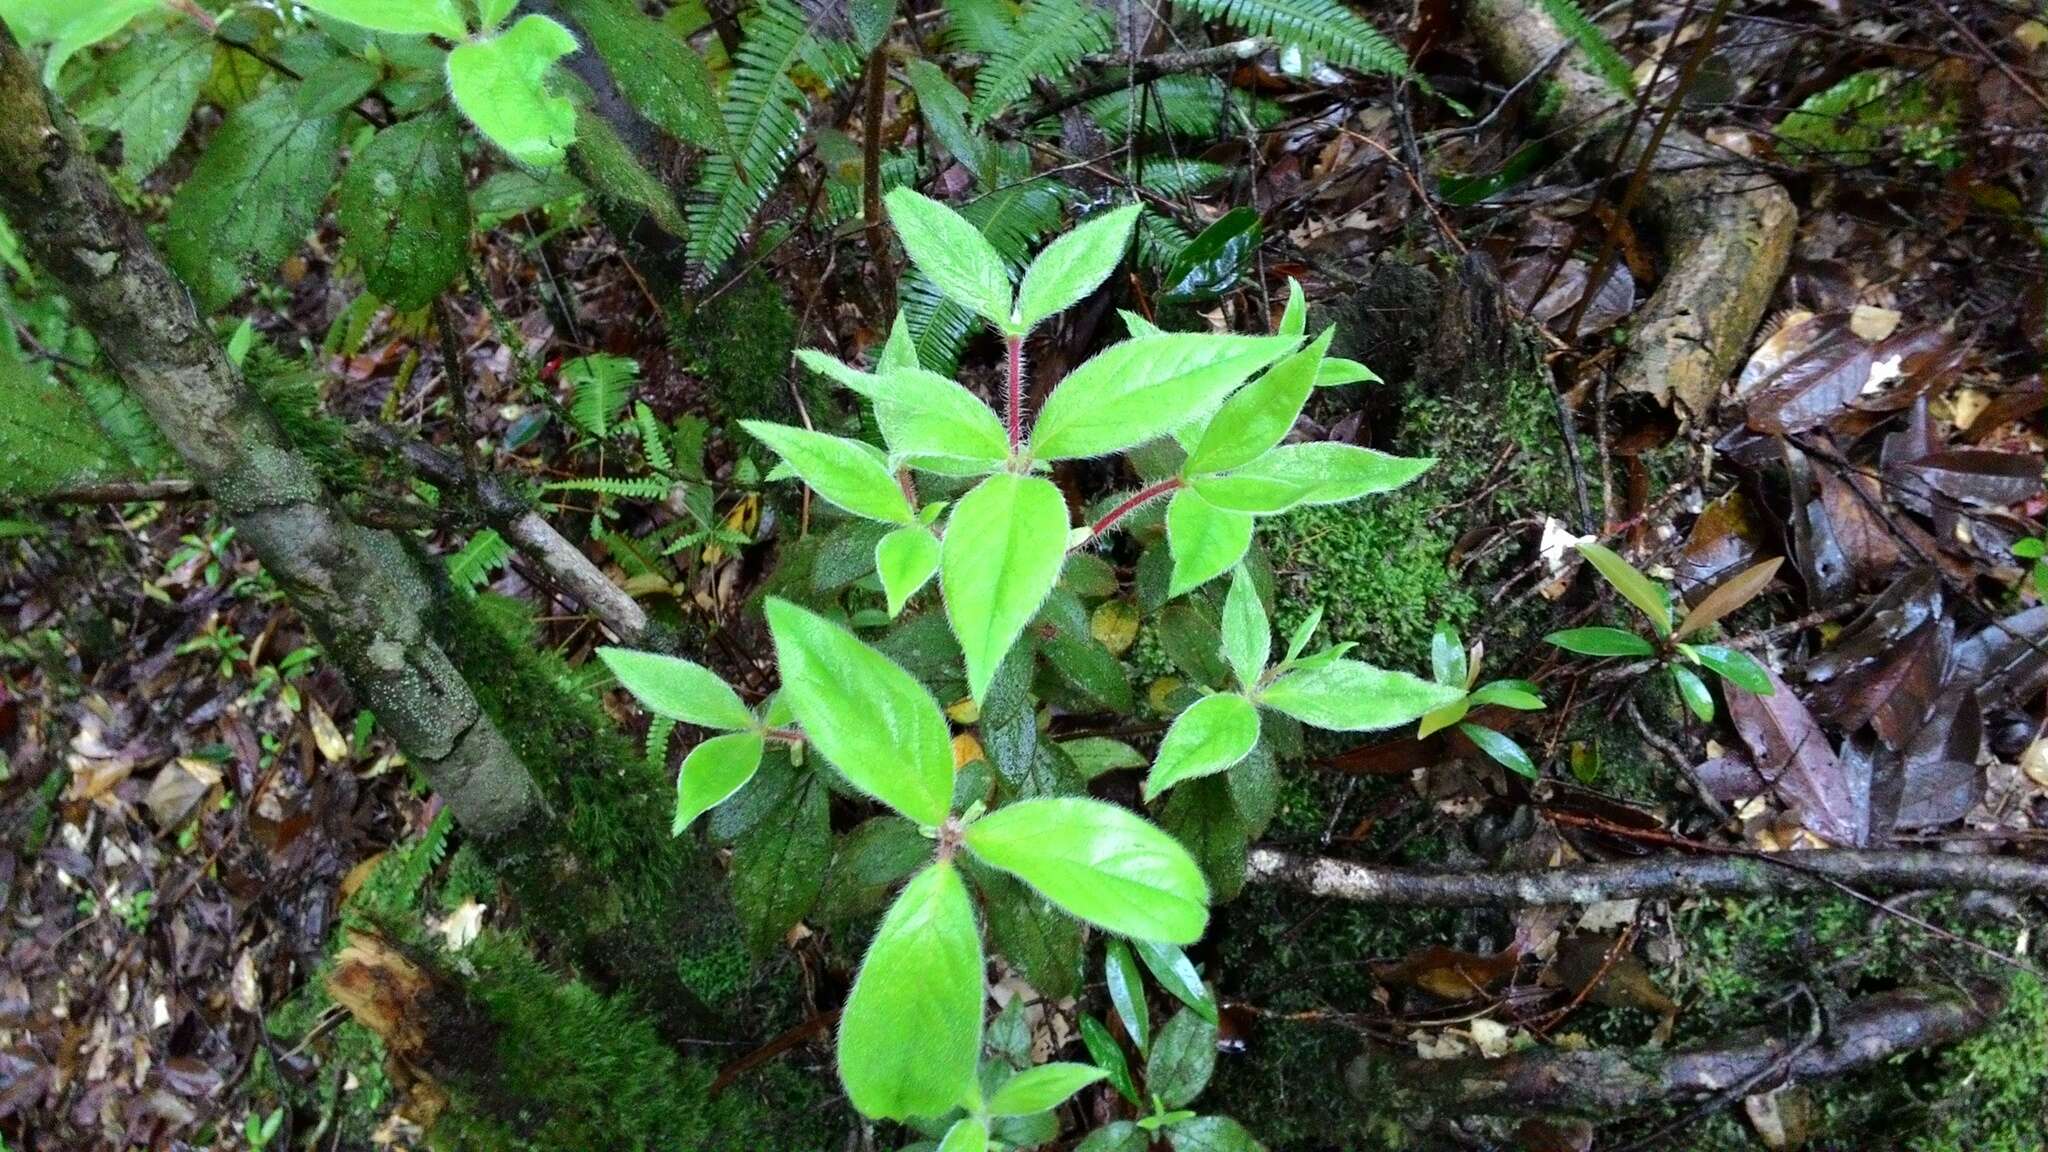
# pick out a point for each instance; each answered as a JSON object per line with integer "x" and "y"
{"x": 1116, "y": 1136}
{"x": 666, "y": 81}
{"x": 1737, "y": 667}
{"x": 1182, "y": 1060}
{"x": 1212, "y": 1134}
{"x": 872, "y": 859}
{"x": 1209, "y": 266}
{"x": 404, "y": 211}
{"x": 779, "y": 865}
{"x": 1601, "y": 642}
{"x": 1201, "y": 816}
{"x": 1043, "y": 943}
{"x": 1127, "y": 993}
{"x": 1176, "y": 973}
{"x": 1501, "y": 748}
{"x": 1103, "y": 1050}
{"x": 144, "y": 93}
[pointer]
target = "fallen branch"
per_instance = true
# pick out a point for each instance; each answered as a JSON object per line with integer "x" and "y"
{"x": 1660, "y": 876}
{"x": 1727, "y": 234}
{"x": 1130, "y": 71}
{"x": 130, "y": 492}
{"x": 1866, "y": 1033}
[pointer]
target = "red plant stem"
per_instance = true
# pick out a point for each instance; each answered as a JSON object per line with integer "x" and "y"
{"x": 1136, "y": 501}
{"x": 1015, "y": 345}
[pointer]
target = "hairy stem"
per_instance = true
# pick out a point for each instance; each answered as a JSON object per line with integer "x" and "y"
{"x": 1015, "y": 411}
{"x": 1135, "y": 501}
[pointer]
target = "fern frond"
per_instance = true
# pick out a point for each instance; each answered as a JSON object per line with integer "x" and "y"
{"x": 843, "y": 193}
{"x": 659, "y": 729}
{"x": 1202, "y": 107}
{"x": 984, "y": 27}
{"x": 1600, "y": 51}
{"x": 1160, "y": 241}
{"x": 628, "y": 487}
{"x": 471, "y": 567}
{"x": 1172, "y": 176}
{"x": 653, "y": 439}
{"x": 1051, "y": 37}
{"x": 600, "y": 385}
{"x": 49, "y": 437}
{"x": 1013, "y": 218}
{"x": 763, "y": 111}
{"x": 1322, "y": 28}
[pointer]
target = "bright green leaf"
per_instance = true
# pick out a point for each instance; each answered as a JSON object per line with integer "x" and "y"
{"x": 1693, "y": 691}
{"x": 1254, "y": 421}
{"x": 923, "y": 414}
{"x": 1143, "y": 388}
{"x": 1205, "y": 541}
{"x": 905, "y": 559}
{"x": 712, "y": 772}
{"x": 910, "y": 1036}
{"x": 1349, "y": 696}
{"x": 1247, "y": 635}
{"x": 1102, "y": 1048}
{"x": 1501, "y": 748}
{"x": 1100, "y": 863}
{"x": 1127, "y": 993}
{"x": 500, "y": 84}
{"x": 1043, "y": 1087}
{"x": 406, "y": 17}
{"x": 1519, "y": 695}
{"x": 954, "y": 253}
{"x": 968, "y": 1134}
{"x": 870, "y": 718}
{"x": 1321, "y": 472}
{"x": 1737, "y": 667}
{"x": 1437, "y": 719}
{"x": 678, "y": 689}
{"x": 1294, "y": 318}
{"x": 845, "y": 472}
{"x": 1601, "y": 642}
{"x": 1303, "y": 633}
{"x": 1005, "y": 543}
{"x": 1073, "y": 266}
{"x": 1638, "y": 589}
{"x": 72, "y": 32}
{"x": 1211, "y": 735}
{"x": 1334, "y": 372}
{"x": 1176, "y": 973}
{"x": 404, "y": 211}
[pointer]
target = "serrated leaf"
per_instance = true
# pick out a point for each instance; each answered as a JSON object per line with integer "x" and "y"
{"x": 405, "y": 17}
{"x": 910, "y": 1036}
{"x": 500, "y": 84}
{"x": 778, "y": 863}
{"x": 678, "y": 689}
{"x": 1127, "y": 993}
{"x": 1212, "y": 1134}
{"x": 253, "y": 196}
{"x": 1144, "y": 388}
{"x": 1636, "y": 588}
{"x": 1255, "y": 420}
{"x": 870, "y": 718}
{"x": 1042, "y": 943}
{"x": 1210, "y": 736}
{"x": 665, "y": 80}
{"x": 712, "y": 772}
{"x": 1351, "y": 696}
{"x": 1005, "y": 543}
{"x": 953, "y": 253}
{"x": 1247, "y": 634}
{"x": 847, "y": 473}
{"x": 1098, "y": 862}
{"x": 1205, "y": 541}
{"x": 404, "y": 211}
{"x": 1322, "y": 472}
{"x": 1182, "y": 1059}
{"x": 1073, "y": 266}
{"x": 1043, "y": 1087}
{"x": 905, "y": 559}
{"x": 1501, "y": 748}
{"x": 144, "y": 93}
{"x": 1601, "y": 642}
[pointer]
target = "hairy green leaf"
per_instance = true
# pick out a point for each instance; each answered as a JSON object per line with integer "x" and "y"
{"x": 1322, "y": 472}
{"x": 1005, "y": 543}
{"x": 1145, "y": 387}
{"x": 845, "y": 472}
{"x": 870, "y": 718}
{"x": 910, "y": 1036}
{"x": 1350, "y": 696}
{"x": 1073, "y": 266}
{"x": 673, "y": 687}
{"x": 905, "y": 559}
{"x": 967, "y": 1134}
{"x": 1099, "y": 862}
{"x": 1205, "y": 541}
{"x": 1256, "y": 419}
{"x": 925, "y": 416}
{"x": 500, "y": 84}
{"x": 1211, "y": 735}
{"x": 954, "y": 253}
{"x": 1247, "y": 635}
{"x": 712, "y": 772}
{"x": 404, "y": 211}
{"x": 1043, "y": 1087}
{"x": 406, "y": 17}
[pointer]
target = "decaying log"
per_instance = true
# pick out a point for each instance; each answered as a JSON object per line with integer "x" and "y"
{"x": 1603, "y": 1081}
{"x": 1727, "y": 234}
{"x": 1655, "y": 877}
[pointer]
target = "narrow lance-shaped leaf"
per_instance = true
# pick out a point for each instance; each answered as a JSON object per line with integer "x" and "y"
{"x": 405, "y": 17}
{"x": 1739, "y": 590}
{"x": 910, "y": 1035}
{"x": 500, "y": 84}
{"x": 1073, "y": 266}
{"x": 1127, "y": 992}
{"x": 1599, "y": 641}
{"x": 1143, "y": 388}
{"x": 1257, "y": 418}
{"x": 845, "y": 472}
{"x": 1100, "y": 863}
{"x": 1636, "y": 588}
{"x": 1294, "y": 318}
{"x": 1247, "y": 635}
{"x": 1735, "y": 666}
{"x": 712, "y": 772}
{"x": 870, "y": 718}
{"x": 1212, "y": 734}
{"x": 1693, "y": 691}
{"x": 1350, "y": 696}
{"x": 1501, "y": 748}
{"x": 1005, "y": 543}
{"x": 1323, "y": 472}
{"x": 905, "y": 559}
{"x": 1043, "y": 1087}
{"x": 678, "y": 689}
{"x": 954, "y": 253}
{"x": 1176, "y": 973}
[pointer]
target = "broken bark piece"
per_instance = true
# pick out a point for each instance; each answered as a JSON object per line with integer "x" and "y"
{"x": 1727, "y": 235}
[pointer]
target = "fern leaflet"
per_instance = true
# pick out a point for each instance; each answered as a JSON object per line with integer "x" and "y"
{"x": 653, "y": 439}
{"x": 1323, "y": 28}
{"x": 470, "y": 568}
{"x": 1600, "y": 51}
{"x": 599, "y": 385}
{"x": 984, "y": 27}
{"x": 1051, "y": 37}
{"x": 628, "y": 487}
